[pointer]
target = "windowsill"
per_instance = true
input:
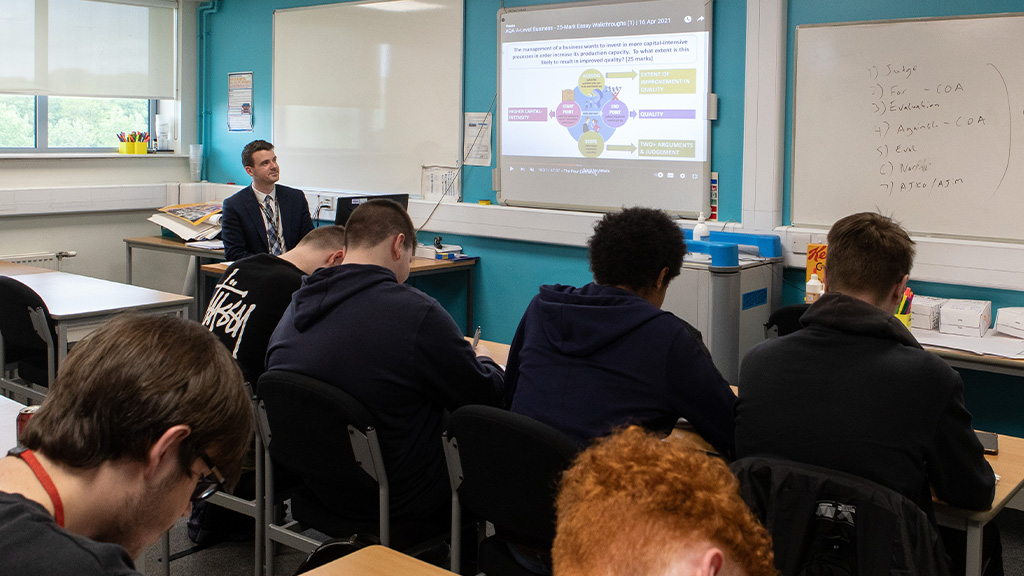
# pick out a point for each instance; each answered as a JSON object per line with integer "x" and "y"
{"x": 84, "y": 155}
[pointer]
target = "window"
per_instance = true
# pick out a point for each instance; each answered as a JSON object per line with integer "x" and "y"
{"x": 17, "y": 121}
{"x": 67, "y": 80}
{"x": 43, "y": 123}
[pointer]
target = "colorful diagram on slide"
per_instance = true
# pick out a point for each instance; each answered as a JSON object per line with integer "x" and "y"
{"x": 593, "y": 110}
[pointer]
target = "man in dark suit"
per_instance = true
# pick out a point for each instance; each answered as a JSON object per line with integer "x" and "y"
{"x": 264, "y": 218}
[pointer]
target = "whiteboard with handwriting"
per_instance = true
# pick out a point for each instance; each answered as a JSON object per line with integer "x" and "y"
{"x": 921, "y": 119}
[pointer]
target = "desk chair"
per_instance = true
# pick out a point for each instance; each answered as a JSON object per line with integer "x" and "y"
{"x": 824, "y": 521}
{"x": 27, "y": 337}
{"x": 504, "y": 468}
{"x": 325, "y": 438}
{"x": 785, "y": 320}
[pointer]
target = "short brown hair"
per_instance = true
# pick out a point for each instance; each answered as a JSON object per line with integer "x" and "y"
{"x": 632, "y": 247}
{"x": 377, "y": 220}
{"x": 252, "y": 148}
{"x": 324, "y": 238}
{"x": 631, "y": 500}
{"x": 127, "y": 383}
{"x": 867, "y": 252}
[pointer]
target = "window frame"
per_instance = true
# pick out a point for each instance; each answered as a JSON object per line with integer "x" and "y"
{"x": 42, "y": 132}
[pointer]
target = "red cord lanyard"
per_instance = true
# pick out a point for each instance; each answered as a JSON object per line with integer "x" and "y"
{"x": 44, "y": 479}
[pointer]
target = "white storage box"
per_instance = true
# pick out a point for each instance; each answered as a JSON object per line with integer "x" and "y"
{"x": 924, "y": 312}
{"x": 965, "y": 317}
{"x": 1010, "y": 321}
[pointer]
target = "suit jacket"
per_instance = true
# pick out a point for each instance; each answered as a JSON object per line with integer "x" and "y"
{"x": 242, "y": 227}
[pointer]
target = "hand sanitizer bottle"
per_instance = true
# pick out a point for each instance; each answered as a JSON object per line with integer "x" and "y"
{"x": 700, "y": 231}
{"x": 814, "y": 289}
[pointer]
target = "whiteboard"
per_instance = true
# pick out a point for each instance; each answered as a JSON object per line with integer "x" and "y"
{"x": 366, "y": 93}
{"x": 920, "y": 119}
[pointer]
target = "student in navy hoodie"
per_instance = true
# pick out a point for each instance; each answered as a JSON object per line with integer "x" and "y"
{"x": 587, "y": 360}
{"x": 357, "y": 326}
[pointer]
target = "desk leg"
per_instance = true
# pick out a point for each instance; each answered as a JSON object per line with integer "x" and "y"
{"x": 469, "y": 301}
{"x": 974, "y": 549}
{"x": 127, "y": 264}
{"x": 62, "y": 343}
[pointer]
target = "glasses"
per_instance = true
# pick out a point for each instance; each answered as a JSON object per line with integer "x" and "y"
{"x": 208, "y": 484}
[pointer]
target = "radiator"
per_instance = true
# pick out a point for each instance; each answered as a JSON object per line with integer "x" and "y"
{"x": 48, "y": 260}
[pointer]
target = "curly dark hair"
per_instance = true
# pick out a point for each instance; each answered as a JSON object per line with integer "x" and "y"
{"x": 630, "y": 248}
{"x": 252, "y": 148}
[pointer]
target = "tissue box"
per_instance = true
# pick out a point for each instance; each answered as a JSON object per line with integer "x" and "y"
{"x": 1010, "y": 321}
{"x": 965, "y": 317}
{"x": 924, "y": 312}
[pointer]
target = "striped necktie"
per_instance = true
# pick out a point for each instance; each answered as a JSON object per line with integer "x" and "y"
{"x": 273, "y": 235}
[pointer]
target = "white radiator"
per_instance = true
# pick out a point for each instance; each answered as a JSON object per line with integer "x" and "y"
{"x": 48, "y": 260}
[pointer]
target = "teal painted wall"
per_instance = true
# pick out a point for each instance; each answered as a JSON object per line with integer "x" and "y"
{"x": 241, "y": 39}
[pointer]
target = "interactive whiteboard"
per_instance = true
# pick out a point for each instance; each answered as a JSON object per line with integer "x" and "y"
{"x": 920, "y": 119}
{"x": 366, "y": 93}
{"x": 605, "y": 104}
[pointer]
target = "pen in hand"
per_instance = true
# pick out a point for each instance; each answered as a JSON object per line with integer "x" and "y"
{"x": 476, "y": 337}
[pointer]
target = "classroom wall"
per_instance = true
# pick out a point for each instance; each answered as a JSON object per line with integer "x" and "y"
{"x": 509, "y": 272}
{"x": 241, "y": 39}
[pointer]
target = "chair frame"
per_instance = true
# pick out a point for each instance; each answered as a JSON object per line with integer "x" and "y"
{"x": 366, "y": 450}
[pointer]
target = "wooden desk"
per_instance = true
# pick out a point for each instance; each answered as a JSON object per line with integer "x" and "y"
{"x": 971, "y": 361}
{"x": 80, "y": 304}
{"x": 1009, "y": 465}
{"x": 499, "y": 351}
{"x": 174, "y": 246}
{"x": 419, "y": 267}
{"x": 378, "y": 561}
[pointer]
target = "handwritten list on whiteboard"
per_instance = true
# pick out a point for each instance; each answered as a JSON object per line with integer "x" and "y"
{"x": 919, "y": 119}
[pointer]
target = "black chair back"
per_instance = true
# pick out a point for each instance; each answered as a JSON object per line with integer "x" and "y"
{"x": 22, "y": 343}
{"x": 510, "y": 467}
{"x": 309, "y": 433}
{"x": 786, "y": 320}
{"x": 824, "y": 521}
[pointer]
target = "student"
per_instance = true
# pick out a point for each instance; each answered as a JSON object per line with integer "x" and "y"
{"x": 634, "y": 504}
{"x": 586, "y": 360}
{"x": 147, "y": 413}
{"x": 357, "y": 326}
{"x": 263, "y": 218}
{"x": 854, "y": 391}
{"x": 254, "y": 292}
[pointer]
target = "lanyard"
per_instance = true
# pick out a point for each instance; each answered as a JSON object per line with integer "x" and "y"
{"x": 44, "y": 479}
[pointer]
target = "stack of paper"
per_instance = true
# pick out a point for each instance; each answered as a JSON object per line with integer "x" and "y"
{"x": 190, "y": 221}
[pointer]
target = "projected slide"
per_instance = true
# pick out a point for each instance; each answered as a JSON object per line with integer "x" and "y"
{"x": 626, "y": 97}
{"x": 604, "y": 105}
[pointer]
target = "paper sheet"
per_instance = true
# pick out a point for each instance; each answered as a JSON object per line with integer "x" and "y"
{"x": 992, "y": 344}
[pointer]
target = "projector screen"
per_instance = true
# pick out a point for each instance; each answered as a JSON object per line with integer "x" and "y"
{"x": 604, "y": 105}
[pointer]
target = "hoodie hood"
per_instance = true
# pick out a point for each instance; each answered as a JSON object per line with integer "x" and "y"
{"x": 856, "y": 316}
{"x": 328, "y": 287}
{"x": 580, "y": 321}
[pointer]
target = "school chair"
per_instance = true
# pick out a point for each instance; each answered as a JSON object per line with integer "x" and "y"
{"x": 785, "y": 320}
{"x": 327, "y": 440}
{"x": 28, "y": 355}
{"x": 824, "y": 521}
{"x": 504, "y": 469}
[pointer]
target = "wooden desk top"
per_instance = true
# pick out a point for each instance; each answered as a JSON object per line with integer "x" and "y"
{"x": 70, "y": 296}
{"x": 499, "y": 351}
{"x": 378, "y": 561}
{"x": 418, "y": 266}
{"x": 171, "y": 245}
{"x": 1009, "y": 465}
